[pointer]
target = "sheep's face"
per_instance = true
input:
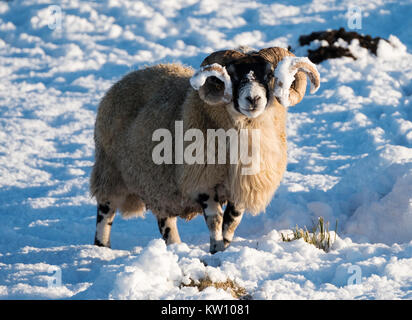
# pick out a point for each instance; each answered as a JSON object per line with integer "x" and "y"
{"x": 252, "y": 85}
{"x": 244, "y": 86}
{"x": 245, "y": 82}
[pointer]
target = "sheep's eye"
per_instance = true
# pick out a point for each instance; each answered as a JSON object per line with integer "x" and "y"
{"x": 269, "y": 76}
{"x": 234, "y": 77}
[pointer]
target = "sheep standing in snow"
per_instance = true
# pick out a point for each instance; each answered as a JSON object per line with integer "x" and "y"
{"x": 234, "y": 90}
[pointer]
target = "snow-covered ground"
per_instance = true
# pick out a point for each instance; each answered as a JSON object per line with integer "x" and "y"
{"x": 350, "y": 153}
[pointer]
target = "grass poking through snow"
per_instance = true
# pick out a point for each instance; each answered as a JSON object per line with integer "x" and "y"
{"x": 320, "y": 236}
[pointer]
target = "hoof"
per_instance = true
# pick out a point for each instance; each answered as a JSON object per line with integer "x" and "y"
{"x": 99, "y": 244}
{"x": 216, "y": 246}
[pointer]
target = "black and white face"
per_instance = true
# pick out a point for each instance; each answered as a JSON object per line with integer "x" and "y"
{"x": 252, "y": 85}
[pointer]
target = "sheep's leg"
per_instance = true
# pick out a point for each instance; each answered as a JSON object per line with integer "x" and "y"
{"x": 231, "y": 219}
{"x": 213, "y": 214}
{"x": 105, "y": 217}
{"x": 168, "y": 229}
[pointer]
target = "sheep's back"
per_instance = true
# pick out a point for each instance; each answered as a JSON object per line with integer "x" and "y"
{"x": 140, "y": 103}
{"x": 158, "y": 90}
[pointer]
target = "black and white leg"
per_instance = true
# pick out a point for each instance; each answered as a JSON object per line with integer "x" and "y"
{"x": 213, "y": 214}
{"x": 231, "y": 219}
{"x": 168, "y": 229}
{"x": 104, "y": 221}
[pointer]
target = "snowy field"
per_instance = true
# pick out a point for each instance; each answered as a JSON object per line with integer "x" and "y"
{"x": 350, "y": 153}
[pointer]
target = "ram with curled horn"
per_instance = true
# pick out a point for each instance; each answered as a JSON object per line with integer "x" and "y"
{"x": 290, "y": 73}
{"x": 234, "y": 93}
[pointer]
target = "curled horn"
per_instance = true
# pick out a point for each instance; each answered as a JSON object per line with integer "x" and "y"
{"x": 212, "y": 80}
{"x": 222, "y": 57}
{"x": 290, "y": 75}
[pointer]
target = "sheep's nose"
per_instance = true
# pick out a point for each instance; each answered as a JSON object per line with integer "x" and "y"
{"x": 253, "y": 101}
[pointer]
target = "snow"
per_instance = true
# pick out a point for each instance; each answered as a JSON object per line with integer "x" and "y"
{"x": 349, "y": 158}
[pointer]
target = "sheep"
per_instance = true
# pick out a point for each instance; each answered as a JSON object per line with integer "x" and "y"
{"x": 240, "y": 91}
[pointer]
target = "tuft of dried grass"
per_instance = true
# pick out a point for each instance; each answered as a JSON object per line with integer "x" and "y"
{"x": 320, "y": 236}
{"x": 237, "y": 291}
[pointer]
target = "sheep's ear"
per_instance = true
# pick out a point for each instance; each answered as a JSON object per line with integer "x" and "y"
{"x": 213, "y": 83}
